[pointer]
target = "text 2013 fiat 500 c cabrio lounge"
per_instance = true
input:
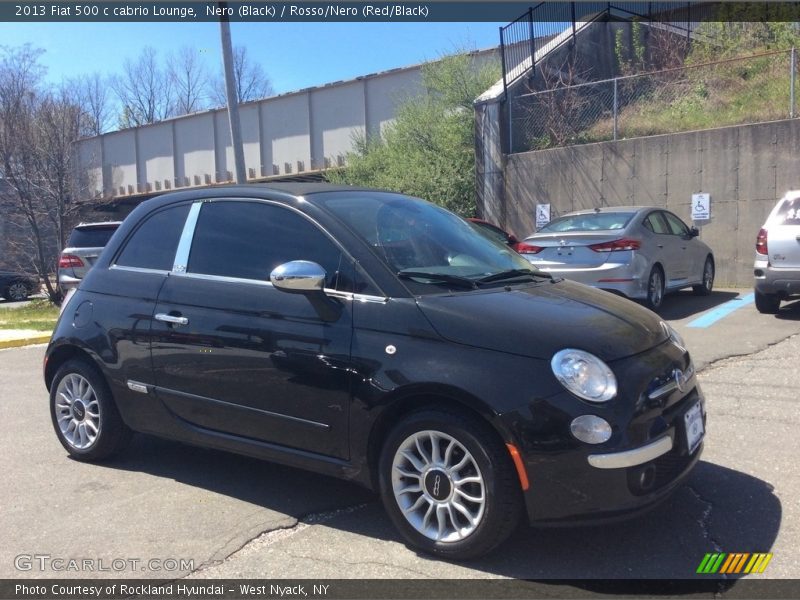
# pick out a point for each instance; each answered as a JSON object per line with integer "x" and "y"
{"x": 378, "y": 338}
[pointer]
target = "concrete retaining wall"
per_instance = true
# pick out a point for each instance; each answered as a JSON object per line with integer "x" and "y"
{"x": 744, "y": 168}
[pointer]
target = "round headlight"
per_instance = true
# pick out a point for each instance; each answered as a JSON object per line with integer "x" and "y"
{"x": 584, "y": 375}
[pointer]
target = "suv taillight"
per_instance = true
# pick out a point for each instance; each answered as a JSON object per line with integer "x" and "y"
{"x": 69, "y": 261}
{"x": 623, "y": 244}
{"x": 761, "y": 242}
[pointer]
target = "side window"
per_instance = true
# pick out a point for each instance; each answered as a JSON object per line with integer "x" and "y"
{"x": 248, "y": 240}
{"x": 676, "y": 226}
{"x": 655, "y": 223}
{"x": 154, "y": 243}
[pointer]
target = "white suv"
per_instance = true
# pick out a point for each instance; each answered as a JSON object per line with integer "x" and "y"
{"x": 777, "y": 264}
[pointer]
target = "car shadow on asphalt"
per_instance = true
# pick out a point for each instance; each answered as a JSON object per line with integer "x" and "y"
{"x": 684, "y": 304}
{"x": 717, "y": 510}
{"x": 286, "y": 490}
{"x": 789, "y": 312}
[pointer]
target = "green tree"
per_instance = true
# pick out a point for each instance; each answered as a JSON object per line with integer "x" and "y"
{"x": 429, "y": 149}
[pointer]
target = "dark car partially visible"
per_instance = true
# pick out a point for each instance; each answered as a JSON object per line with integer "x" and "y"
{"x": 16, "y": 286}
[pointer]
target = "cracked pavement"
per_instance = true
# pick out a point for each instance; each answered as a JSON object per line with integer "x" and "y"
{"x": 239, "y": 517}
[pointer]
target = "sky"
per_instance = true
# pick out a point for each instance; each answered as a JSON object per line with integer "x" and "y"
{"x": 294, "y": 55}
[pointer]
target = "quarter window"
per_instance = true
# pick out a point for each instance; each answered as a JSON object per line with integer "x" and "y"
{"x": 154, "y": 243}
{"x": 247, "y": 240}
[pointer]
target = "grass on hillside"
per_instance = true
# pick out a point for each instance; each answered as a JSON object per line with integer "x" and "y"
{"x": 751, "y": 90}
{"x": 39, "y": 315}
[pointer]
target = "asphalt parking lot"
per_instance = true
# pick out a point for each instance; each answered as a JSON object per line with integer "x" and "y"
{"x": 229, "y": 516}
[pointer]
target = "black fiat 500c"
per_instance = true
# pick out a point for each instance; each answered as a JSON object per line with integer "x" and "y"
{"x": 377, "y": 338}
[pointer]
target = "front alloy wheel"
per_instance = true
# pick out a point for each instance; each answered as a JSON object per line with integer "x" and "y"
{"x": 85, "y": 418}
{"x": 448, "y": 484}
{"x": 438, "y": 486}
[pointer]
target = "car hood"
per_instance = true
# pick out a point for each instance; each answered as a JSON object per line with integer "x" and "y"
{"x": 540, "y": 319}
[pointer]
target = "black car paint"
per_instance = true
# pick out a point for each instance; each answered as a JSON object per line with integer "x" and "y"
{"x": 484, "y": 350}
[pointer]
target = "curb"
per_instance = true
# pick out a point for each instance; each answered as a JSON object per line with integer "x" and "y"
{"x": 26, "y": 341}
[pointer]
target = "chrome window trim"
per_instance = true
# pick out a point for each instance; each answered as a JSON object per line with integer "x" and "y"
{"x": 355, "y": 297}
{"x": 185, "y": 242}
{"x": 631, "y": 458}
{"x": 222, "y": 278}
{"x": 257, "y": 282}
{"x": 116, "y": 267}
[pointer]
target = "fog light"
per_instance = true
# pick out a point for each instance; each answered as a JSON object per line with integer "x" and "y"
{"x": 591, "y": 429}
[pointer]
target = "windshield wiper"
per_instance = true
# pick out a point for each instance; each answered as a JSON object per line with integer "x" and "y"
{"x": 433, "y": 277}
{"x": 513, "y": 274}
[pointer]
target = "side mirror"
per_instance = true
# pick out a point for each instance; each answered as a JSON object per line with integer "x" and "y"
{"x": 307, "y": 278}
{"x": 298, "y": 277}
{"x": 694, "y": 232}
{"x": 512, "y": 239}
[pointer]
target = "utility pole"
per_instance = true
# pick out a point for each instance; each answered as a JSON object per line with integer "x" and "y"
{"x": 233, "y": 98}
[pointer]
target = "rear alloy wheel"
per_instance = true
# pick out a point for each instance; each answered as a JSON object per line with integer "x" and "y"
{"x": 704, "y": 289}
{"x": 448, "y": 484}
{"x": 768, "y": 304}
{"x": 84, "y": 415}
{"x": 655, "y": 289}
{"x": 17, "y": 292}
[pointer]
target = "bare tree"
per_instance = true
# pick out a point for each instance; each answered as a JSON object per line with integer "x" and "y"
{"x": 556, "y": 114}
{"x": 145, "y": 90}
{"x": 37, "y": 131}
{"x": 252, "y": 82}
{"x": 92, "y": 93}
{"x": 189, "y": 80}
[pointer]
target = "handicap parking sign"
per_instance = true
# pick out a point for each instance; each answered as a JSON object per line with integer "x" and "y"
{"x": 701, "y": 207}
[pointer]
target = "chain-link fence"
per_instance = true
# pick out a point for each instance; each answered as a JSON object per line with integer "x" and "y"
{"x": 731, "y": 92}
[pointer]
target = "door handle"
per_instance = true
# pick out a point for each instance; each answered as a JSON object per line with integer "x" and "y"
{"x": 172, "y": 319}
{"x": 661, "y": 245}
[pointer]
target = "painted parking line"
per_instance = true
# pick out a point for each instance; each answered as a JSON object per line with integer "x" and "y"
{"x": 722, "y": 311}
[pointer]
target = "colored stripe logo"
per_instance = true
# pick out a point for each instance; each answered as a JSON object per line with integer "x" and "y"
{"x": 735, "y": 563}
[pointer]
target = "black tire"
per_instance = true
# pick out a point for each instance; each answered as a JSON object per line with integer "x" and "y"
{"x": 705, "y": 288}
{"x": 17, "y": 291}
{"x": 111, "y": 434}
{"x": 655, "y": 289}
{"x": 502, "y": 504}
{"x": 768, "y": 304}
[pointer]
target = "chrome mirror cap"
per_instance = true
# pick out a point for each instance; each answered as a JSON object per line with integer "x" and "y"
{"x": 298, "y": 276}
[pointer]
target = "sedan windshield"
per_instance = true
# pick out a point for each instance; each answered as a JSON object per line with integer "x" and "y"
{"x": 604, "y": 221}
{"x": 425, "y": 244}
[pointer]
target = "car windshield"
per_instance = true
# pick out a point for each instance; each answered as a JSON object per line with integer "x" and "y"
{"x": 424, "y": 243}
{"x": 603, "y": 221}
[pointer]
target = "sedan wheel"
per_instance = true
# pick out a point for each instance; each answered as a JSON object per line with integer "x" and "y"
{"x": 83, "y": 412}
{"x": 18, "y": 291}
{"x": 448, "y": 484}
{"x": 708, "y": 279}
{"x": 655, "y": 289}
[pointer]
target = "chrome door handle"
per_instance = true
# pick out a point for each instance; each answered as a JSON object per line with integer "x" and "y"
{"x": 172, "y": 319}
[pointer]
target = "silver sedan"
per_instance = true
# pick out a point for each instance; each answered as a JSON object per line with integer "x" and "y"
{"x": 639, "y": 252}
